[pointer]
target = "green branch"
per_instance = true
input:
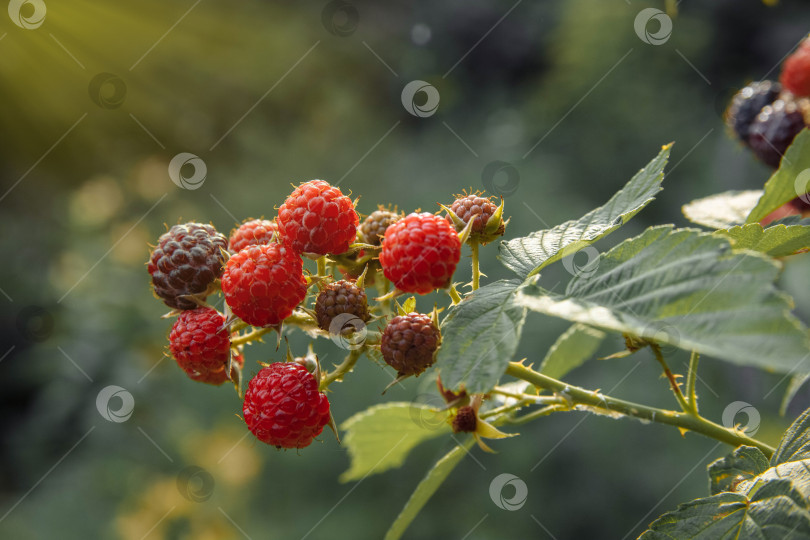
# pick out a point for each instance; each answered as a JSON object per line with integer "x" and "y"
{"x": 682, "y": 420}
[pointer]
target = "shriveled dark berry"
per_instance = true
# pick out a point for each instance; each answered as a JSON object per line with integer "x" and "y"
{"x": 474, "y": 207}
{"x": 409, "y": 343}
{"x": 341, "y": 297}
{"x": 773, "y": 131}
{"x": 465, "y": 420}
{"x": 186, "y": 261}
{"x": 372, "y": 230}
{"x": 747, "y": 104}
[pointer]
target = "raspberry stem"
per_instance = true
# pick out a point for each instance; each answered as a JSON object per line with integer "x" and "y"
{"x": 250, "y": 336}
{"x": 691, "y": 376}
{"x": 322, "y": 266}
{"x": 587, "y": 398}
{"x": 346, "y": 366}
{"x": 454, "y": 294}
{"x": 476, "y": 273}
{"x": 673, "y": 382}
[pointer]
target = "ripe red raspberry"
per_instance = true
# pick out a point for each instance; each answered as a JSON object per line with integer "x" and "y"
{"x": 373, "y": 228}
{"x": 342, "y": 298}
{"x": 795, "y": 75}
{"x": 263, "y": 284}
{"x": 318, "y": 218}
{"x": 420, "y": 253}
{"x": 186, "y": 261}
{"x": 773, "y": 131}
{"x": 409, "y": 343}
{"x": 252, "y": 233}
{"x": 200, "y": 344}
{"x": 747, "y": 104}
{"x": 283, "y": 406}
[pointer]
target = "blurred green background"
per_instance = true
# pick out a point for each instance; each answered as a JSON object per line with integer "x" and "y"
{"x": 98, "y": 99}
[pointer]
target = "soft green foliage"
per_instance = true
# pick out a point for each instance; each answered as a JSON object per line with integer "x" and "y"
{"x": 426, "y": 488}
{"x": 381, "y": 437}
{"x": 756, "y": 501}
{"x": 776, "y": 241}
{"x": 782, "y": 186}
{"x": 528, "y": 255}
{"x": 796, "y": 382}
{"x": 723, "y": 210}
{"x": 480, "y": 337}
{"x": 571, "y": 350}
{"x": 744, "y": 463}
{"x": 689, "y": 290}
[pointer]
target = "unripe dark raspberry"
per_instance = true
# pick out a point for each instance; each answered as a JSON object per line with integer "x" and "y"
{"x": 339, "y": 298}
{"x": 252, "y": 233}
{"x": 747, "y": 104}
{"x": 479, "y": 210}
{"x": 373, "y": 228}
{"x": 186, "y": 261}
{"x": 773, "y": 131}
{"x": 200, "y": 344}
{"x": 283, "y": 406}
{"x": 465, "y": 420}
{"x": 409, "y": 343}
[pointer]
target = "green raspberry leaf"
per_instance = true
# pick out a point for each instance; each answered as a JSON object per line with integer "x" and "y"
{"x": 723, "y": 210}
{"x": 689, "y": 290}
{"x": 528, "y": 255}
{"x": 426, "y": 488}
{"x": 480, "y": 336}
{"x": 571, "y": 350}
{"x": 381, "y": 437}
{"x": 789, "y": 181}
{"x": 776, "y": 241}
{"x": 753, "y": 499}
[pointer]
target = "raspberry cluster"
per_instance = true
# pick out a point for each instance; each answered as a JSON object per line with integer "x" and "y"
{"x": 766, "y": 116}
{"x": 265, "y": 281}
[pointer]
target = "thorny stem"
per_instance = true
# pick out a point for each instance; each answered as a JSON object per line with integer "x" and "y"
{"x": 587, "y": 398}
{"x": 691, "y": 376}
{"x": 298, "y": 319}
{"x": 454, "y": 294}
{"x": 346, "y": 366}
{"x": 250, "y": 336}
{"x": 673, "y": 382}
{"x": 476, "y": 272}
{"x": 322, "y": 266}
